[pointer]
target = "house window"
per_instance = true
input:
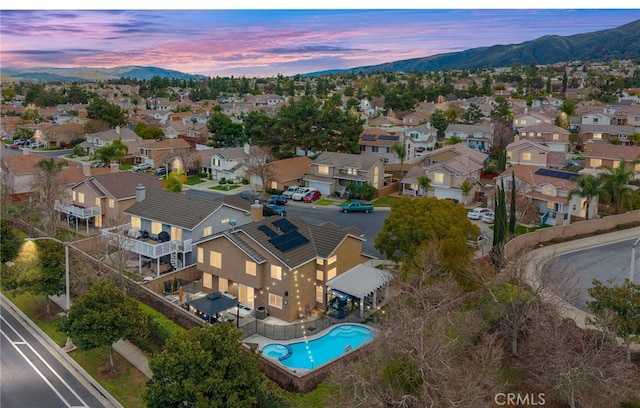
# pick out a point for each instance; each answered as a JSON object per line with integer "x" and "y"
{"x": 215, "y": 162}
{"x": 176, "y": 234}
{"x": 596, "y": 162}
{"x": 112, "y": 203}
{"x": 215, "y": 259}
{"x": 81, "y": 198}
{"x": 276, "y": 272}
{"x": 438, "y": 178}
{"x": 320, "y": 294}
{"x": 319, "y": 261}
{"x": 73, "y": 195}
{"x": 331, "y": 273}
{"x": 616, "y": 164}
{"x": 637, "y": 167}
{"x": 597, "y": 135}
{"x": 549, "y": 205}
{"x": 531, "y": 134}
{"x": 539, "y": 134}
{"x": 200, "y": 255}
{"x": 274, "y": 185}
{"x": 275, "y": 301}
{"x": 223, "y": 285}
{"x": 352, "y": 171}
{"x": 156, "y": 227}
{"x": 509, "y": 155}
{"x": 374, "y": 149}
{"x": 319, "y": 274}
{"x": 207, "y": 280}
{"x": 556, "y": 136}
{"x": 97, "y": 200}
{"x": 548, "y": 190}
{"x": 208, "y": 230}
{"x": 323, "y": 170}
{"x": 250, "y": 268}
{"x": 526, "y": 156}
{"x": 332, "y": 259}
{"x": 136, "y": 223}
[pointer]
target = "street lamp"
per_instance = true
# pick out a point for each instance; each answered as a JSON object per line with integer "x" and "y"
{"x": 67, "y": 295}
{"x": 633, "y": 258}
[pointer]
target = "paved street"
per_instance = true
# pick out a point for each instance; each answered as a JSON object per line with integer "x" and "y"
{"x": 35, "y": 374}
{"x": 611, "y": 261}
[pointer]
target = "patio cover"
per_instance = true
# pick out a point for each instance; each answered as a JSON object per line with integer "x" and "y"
{"x": 360, "y": 281}
{"x": 213, "y": 303}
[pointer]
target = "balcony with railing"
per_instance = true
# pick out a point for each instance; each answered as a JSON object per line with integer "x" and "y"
{"x": 147, "y": 247}
{"x": 79, "y": 212}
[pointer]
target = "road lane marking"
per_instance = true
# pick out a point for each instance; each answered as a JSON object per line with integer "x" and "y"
{"x": 44, "y": 362}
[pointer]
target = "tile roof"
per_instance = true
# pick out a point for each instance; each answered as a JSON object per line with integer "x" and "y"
{"x": 544, "y": 127}
{"x": 610, "y": 151}
{"x": 611, "y": 129}
{"x": 22, "y": 164}
{"x": 526, "y": 144}
{"x": 323, "y": 240}
{"x": 343, "y": 160}
{"x": 168, "y": 144}
{"x": 528, "y": 175}
{"x": 461, "y": 149}
{"x": 290, "y": 169}
{"x": 122, "y": 185}
{"x": 181, "y": 210}
{"x": 235, "y": 153}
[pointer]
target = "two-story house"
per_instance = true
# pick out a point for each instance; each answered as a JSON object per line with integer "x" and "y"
{"x": 231, "y": 163}
{"x": 548, "y": 190}
{"x": 478, "y": 137}
{"x": 161, "y": 152}
{"x": 332, "y": 171}
{"x": 596, "y": 118}
{"x": 104, "y": 198}
{"x": 377, "y": 142}
{"x": 529, "y": 119}
{"x": 281, "y": 264}
{"x": 288, "y": 172}
{"x": 162, "y": 225}
{"x": 597, "y": 155}
{"x": 549, "y": 134}
{"x": 420, "y": 139}
{"x": 447, "y": 169}
{"x": 606, "y": 133}
{"x": 528, "y": 153}
{"x": 95, "y": 141}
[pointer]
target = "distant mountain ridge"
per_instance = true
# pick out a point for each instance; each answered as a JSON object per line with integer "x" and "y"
{"x": 617, "y": 43}
{"x": 80, "y": 74}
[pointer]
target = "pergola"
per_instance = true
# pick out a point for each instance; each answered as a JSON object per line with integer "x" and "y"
{"x": 362, "y": 281}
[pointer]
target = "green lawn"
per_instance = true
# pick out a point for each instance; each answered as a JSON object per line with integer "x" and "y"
{"x": 385, "y": 201}
{"x": 127, "y": 386}
{"x": 193, "y": 180}
{"x": 324, "y": 201}
{"x": 225, "y": 187}
{"x": 125, "y": 167}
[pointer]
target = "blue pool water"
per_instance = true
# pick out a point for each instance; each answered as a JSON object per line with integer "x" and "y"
{"x": 314, "y": 353}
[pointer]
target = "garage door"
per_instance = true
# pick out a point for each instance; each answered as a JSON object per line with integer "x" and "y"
{"x": 324, "y": 188}
{"x": 442, "y": 193}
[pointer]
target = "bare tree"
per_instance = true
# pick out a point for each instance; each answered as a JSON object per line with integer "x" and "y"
{"x": 259, "y": 163}
{"x": 48, "y": 189}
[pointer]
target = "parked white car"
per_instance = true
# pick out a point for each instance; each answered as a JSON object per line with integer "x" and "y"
{"x": 300, "y": 193}
{"x": 488, "y": 217}
{"x": 290, "y": 191}
{"x": 477, "y": 213}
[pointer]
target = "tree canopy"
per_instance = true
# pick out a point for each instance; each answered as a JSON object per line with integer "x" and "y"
{"x": 115, "y": 151}
{"x": 101, "y": 109}
{"x": 102, "y": 316}
{"x": 205, "y": 367}
{"x": 148, "y": 131}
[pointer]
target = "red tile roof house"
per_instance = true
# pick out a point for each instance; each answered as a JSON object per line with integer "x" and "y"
{"x": 548, "y": 190}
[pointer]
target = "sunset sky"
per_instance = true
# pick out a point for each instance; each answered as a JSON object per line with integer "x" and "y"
{"x": 268, "y": 42}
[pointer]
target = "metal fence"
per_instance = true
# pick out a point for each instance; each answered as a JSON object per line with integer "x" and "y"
{"x": 294, "y": 330}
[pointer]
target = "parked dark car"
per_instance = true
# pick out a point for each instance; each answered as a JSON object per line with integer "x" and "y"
{"x": 279, "y": 210}
{"x": 269, "y": 210}
{"x": 250, "y": 195}
{"x": 160, "y": 171}
{"x": 277, "y": 200}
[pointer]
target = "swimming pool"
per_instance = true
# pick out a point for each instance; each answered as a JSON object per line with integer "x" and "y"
{"x": 314, "y": 353}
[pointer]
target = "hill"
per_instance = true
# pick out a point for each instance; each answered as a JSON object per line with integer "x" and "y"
{"x": 80, "y": 74}
{"x": 618, "y": 43}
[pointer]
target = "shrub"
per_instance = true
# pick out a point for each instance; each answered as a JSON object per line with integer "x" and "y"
{"x": 245, "y": 181}
{"x": 222, "y": 181}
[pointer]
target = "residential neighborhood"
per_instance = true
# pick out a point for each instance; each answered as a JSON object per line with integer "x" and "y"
{"x": 240, "y": 210}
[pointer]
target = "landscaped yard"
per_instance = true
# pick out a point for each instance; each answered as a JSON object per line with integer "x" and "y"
{"x": 193, "y": 180}
{"x": 324, "y": 201}
{"x": 127, "y": 384}
{"x": 384, "y": 201}
{"x": 225, "y": 187}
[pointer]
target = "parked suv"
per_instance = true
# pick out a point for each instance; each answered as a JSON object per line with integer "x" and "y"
{"x": 290, "y": 191}
{"x": 141, "y": 167}
{"x": 300, "y": 193}
{"x": 477, "y": 213}
{"x": 160, "y": 171}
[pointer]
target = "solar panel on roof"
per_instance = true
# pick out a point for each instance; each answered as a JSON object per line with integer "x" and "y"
{"x": 271, "y": 233}
{"x": 368, "y": 137}
{"x": 389, "y": 137}
{"x": 556, "y": 174}
{"x": 284, "y": 225}
{"x": 289, "y": 241}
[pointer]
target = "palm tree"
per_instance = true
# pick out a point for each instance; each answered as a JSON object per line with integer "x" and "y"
{"x": 615, "y": 182}
{"x": 425, "y": 183}
{"x": 588, "y": 187}
{"x": 401, "y": 151}
{"x": 453, "y": 140}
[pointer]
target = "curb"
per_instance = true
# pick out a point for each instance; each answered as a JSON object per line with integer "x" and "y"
{"x": 58, "y": 350}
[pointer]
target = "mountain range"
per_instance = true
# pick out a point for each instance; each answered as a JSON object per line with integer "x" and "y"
{"x": 618, "y": 43}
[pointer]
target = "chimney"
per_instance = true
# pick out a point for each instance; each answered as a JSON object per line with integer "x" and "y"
{"x": 86, "y": 169}
{"x": 256, "y": 211}
{"x": 247, "y": 148}
{"x": 141, "y": 193}
{"x": 118, "y": 129}
{"x": 114, "y": 167}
